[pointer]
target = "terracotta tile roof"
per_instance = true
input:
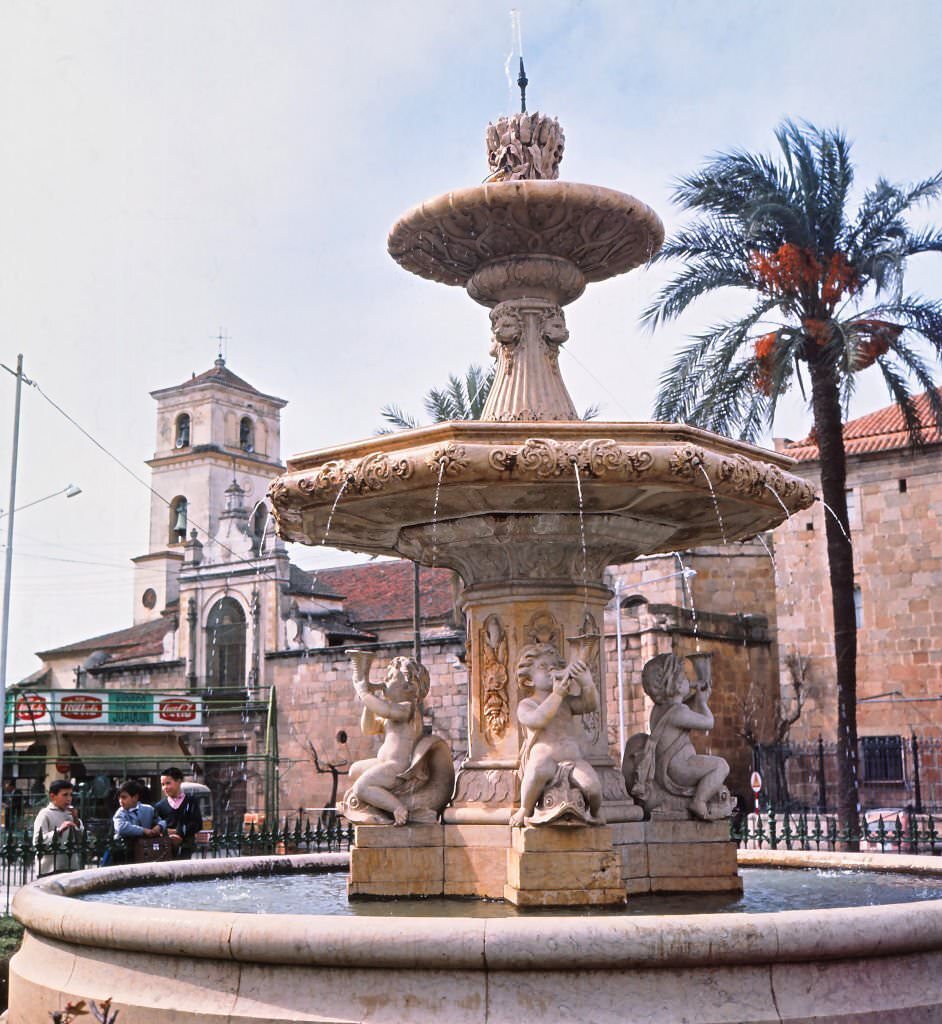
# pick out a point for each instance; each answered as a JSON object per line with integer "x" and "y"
{"x": 143, "y": 640}
{"x": 883, "y": 430}
{"x": 382, "y": 591}
{"x": 220, "y": 374}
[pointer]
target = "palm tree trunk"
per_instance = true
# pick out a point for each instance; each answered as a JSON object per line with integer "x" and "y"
{"x": 826, "y": 408}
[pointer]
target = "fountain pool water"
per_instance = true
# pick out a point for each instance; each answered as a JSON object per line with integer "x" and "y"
{"x": 765, "y": 890}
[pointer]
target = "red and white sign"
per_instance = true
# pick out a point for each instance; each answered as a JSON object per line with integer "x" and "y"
{"x": 81, "y": 707}
{"x": 755, "y": 780}
{"x": 31, "y": 707}
{"x": 176, "y": 709}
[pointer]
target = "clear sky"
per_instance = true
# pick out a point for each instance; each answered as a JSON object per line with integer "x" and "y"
{"x": 171, "y": 169}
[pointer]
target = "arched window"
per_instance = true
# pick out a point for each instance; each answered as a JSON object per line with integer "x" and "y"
{"x": 246, "y": 435}
{"x": 634, "y": 603}
{"x": 182, "y": 433}
{"x": 178, "y": 512}
{"x": 225, "y": 644}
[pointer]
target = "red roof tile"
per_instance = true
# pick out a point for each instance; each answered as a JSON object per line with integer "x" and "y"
{"x": 146, "y": 638}
{"x": 883, "y": 430}
{"x": 382, "y": 591}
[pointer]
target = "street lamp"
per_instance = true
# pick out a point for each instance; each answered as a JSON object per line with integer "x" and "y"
{"x": 70, "y": 492}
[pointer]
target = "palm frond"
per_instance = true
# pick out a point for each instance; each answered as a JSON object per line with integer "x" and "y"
{"x": 397, "y": 419}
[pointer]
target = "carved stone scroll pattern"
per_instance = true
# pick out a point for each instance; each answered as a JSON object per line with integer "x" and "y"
{"x": 453, "y": 456}
{"x": 543, "y": 628}
{"x": 494, "y": 679}
{"x": 371, "y": 473}
{"x": 545, "y": 458}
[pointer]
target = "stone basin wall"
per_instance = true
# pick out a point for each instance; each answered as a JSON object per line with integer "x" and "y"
{"x": 860, "y": 964}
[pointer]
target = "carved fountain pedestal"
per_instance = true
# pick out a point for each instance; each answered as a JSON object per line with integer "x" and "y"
{"x": 528, "y": 505}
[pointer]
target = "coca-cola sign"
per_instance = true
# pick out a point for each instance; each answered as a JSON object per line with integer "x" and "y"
{"x": 176, "y": 709}
{"x": 81, "y": 707}
{"x": 31, "y": 707}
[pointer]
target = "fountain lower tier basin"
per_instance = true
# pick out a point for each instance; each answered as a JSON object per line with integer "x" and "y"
{"x": 158, "y": 965}
{"x": 470, "y": 495}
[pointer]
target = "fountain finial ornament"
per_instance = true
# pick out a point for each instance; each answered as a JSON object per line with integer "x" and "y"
{"x": 524, "y": 147}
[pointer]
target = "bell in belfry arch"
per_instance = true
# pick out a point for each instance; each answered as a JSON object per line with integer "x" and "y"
{"x": 179, "y": 526}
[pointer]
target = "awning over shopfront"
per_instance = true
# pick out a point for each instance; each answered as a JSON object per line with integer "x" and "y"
{"x": 120, "y": 746}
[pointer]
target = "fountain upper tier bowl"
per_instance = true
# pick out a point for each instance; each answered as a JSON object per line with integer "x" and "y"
{"x": 482, "y": 238}
{"x": 461, "y": 493}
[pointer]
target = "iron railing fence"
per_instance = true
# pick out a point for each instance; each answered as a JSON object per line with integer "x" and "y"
{"x": 23, "y": 858}
{"x": 874, "y": 832}
{"x": 895, "y": 772}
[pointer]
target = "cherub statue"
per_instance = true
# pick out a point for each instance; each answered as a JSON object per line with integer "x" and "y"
{"x": 557, "y": 782}
{"x": 663, "y": 769}
{"x": 412, "y": 775}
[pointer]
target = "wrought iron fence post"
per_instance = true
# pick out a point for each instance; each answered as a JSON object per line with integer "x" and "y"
{"x": 822, "y": 781}
{"x": 916, "y": 780}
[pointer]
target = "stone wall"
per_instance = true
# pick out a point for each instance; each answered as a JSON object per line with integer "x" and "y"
{"x": 896, "y": 527}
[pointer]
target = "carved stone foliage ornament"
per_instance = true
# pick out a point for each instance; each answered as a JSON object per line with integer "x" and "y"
{"x": 495, "y": 700}
{"x": 662, "y": 769}
{"x": 558, "y": 786}
{"x": 544, "y": 458}
{"x": 412, "y": 775}
{"x": 524, "y": 146}
{"x": 448, "y": 460}
{"x": 371, "y": 473}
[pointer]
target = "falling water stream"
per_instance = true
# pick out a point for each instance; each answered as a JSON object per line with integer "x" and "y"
{"x": 442, "y": 463}
{"x": 585, "y": 554}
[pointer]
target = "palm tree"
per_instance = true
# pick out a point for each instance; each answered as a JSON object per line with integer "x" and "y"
{"x": 826, "y": 287}
{"x": 460, "y": 400}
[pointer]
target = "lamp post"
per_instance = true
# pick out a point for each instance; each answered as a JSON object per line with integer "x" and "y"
{"x": 70, "y": 492}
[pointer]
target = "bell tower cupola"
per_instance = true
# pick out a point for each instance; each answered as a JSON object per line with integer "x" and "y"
{"x": 214, "y": 431}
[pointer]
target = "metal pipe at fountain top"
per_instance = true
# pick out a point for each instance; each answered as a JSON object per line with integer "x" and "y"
{"x": 523, "y": 82}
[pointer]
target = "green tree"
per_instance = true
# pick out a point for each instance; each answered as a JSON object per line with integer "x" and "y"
{"x": 462, "y": 399}
{"x": 827, "y": 295}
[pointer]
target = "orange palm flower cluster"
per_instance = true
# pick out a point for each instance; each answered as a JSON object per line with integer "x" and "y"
{"x": 878, "y": 335}
{"x": 792, "y": 270}
{"x": 787, "y": 271}
{"x": 764, "y": 348}
{"x": 841, "y": 278}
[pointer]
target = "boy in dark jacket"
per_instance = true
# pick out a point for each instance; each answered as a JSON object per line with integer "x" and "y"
{"x": 181, "y": 811}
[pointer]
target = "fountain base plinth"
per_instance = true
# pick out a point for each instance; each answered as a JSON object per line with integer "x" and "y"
{"x": 677, "y": 856}
{"x": 397, "y": 860}
{"x": 563, "y": 867}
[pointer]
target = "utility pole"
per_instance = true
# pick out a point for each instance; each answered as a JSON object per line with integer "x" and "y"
{"x": 5, "y": 627}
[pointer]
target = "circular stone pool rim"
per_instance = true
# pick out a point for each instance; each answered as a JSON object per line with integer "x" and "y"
{"x": 843, "y": 964}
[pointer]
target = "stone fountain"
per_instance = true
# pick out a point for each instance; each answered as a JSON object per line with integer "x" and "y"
{"x": 528, "y": 505}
